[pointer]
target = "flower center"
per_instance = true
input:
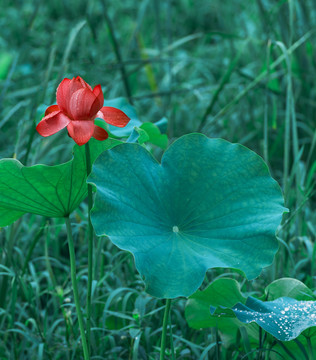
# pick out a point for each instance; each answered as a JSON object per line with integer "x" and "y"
{"x": 175, "y": 229}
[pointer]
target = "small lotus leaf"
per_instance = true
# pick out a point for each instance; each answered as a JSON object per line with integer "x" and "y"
{"x": 155, "y": 136}
{"x": 138, "y": 135}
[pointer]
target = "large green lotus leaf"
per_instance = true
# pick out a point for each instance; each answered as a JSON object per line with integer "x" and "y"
{"x": 284, "y": 318}
{"x": 52, "y": 191}
{"x": 208, "y": 204}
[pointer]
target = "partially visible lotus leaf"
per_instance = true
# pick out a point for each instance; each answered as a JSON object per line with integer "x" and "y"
{"x": 52, "y": 191}
{"x": 208, "y": 204}
{"x": 288, "y": 287}
{"x": 212, "y": 307}
{"x": 284, "y": 318}
{"x": 8, "y": 216}
{"x": 221, "y": 292}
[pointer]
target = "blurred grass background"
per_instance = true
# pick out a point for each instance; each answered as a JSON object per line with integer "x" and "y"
{"x": 241, "y": 70}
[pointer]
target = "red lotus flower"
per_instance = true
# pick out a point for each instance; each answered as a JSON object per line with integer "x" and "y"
{"x": 77, "y": 107}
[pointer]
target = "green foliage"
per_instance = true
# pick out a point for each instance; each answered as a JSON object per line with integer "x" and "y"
{"x": 249, "y": 78}
{"x": 220, "y": 293}
{"x": 207, "y": 205}
{"x": 223, "y": 305}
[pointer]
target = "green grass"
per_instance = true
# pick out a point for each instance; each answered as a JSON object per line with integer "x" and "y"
{"x": 244, "y": 71}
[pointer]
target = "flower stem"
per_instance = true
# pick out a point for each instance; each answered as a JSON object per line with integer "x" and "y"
{"x": 90, "y": 246}
{"x": 75, "y": 288}
{"x": 164, "y": 329}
